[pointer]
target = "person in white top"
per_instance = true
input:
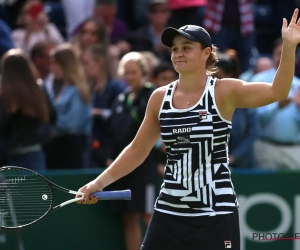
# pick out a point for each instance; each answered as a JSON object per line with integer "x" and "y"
{"x": 35, "y": 27}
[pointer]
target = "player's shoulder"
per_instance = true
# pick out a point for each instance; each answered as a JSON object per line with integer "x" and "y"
{"x": 227, "y": 87}
{"x": 157, "y": 96}
{"x": 161, "y": 91}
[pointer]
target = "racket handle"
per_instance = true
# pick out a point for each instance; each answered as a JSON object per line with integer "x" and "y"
{"x": 113, "y": 195}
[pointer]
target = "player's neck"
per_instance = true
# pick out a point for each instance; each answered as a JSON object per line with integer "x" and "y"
{"x": 192, "y": 82}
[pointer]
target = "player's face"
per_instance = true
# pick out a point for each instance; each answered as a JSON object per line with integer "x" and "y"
{"x": 186, "y": 55}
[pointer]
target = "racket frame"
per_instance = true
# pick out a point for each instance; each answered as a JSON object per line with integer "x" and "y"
{"x": 53, "y": 207}
{"x": 51, "y": 186}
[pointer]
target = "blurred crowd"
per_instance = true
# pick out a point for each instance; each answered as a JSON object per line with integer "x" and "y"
{"x": 76, "y": 77}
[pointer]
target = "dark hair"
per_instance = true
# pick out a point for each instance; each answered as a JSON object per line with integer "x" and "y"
{"x": 39, "y": 47}
{"x": 163, "y": 67}
{"x": 101, "y": 30}
{"x": 229, "y": 63}
{"x": 21, "y": 92}
{"x": 152, "y": 6}
{"x": 106, "y": 2}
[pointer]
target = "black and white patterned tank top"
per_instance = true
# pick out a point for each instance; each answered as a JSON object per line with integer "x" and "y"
{"x": 197, "y": 179}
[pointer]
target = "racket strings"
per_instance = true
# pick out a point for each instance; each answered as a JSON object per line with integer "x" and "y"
{"x": 24, "y": 198}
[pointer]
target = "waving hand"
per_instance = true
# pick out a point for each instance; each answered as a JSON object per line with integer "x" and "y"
{"x": 291, "y": 32}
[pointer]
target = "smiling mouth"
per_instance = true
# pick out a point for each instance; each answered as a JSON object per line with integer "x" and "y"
{"x": 180, "y": 62}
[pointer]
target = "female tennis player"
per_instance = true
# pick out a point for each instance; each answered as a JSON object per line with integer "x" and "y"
{"x": 197, "y": 205}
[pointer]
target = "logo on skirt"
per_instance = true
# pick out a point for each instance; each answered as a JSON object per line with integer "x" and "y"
{"x": 227, "y": 244}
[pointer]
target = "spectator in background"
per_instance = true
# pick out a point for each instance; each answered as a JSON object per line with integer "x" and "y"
{"x": 6, "y": 42}
{"x": 279, "y": 142}
{"x": 34, "y": 27}
{"x": 163, "y": 74}
{"x": 9, "y": 12}
{"x": 71, "y": 99}
{"x": 93, "y": 31}
{"x": 262, "y": 63}
{"x": 127, "y": 115}
{"x": 104, "y": 89}
{"x": 231, "y": 25}
{"x": 184, "y": 12}
{"x": 23, "y": 113}
{"x": 106, "y": 11}
{"x": 147, "y": 38}
{"x": 297, "y": 66}
{"x": 40, "y": 56}
{"x": 76, "y": 11}
{"x": 129, "y": 11}
{"x": 244, "y": 121}
{"x": 151, "y": 59}
{"x": 90, "y": 32}
{"x": 139, "y": 16}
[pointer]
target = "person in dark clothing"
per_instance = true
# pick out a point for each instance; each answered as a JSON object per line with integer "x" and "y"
{"x": 128, "y": 112}
{"x": 147, "y": 37}
{"x": 24, "y": 113}
{"x": 104, "y": 88}
{"x": 6, "y": 42}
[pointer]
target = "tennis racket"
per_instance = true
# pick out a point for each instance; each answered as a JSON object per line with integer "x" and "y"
{"x": 26, "y": 197}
